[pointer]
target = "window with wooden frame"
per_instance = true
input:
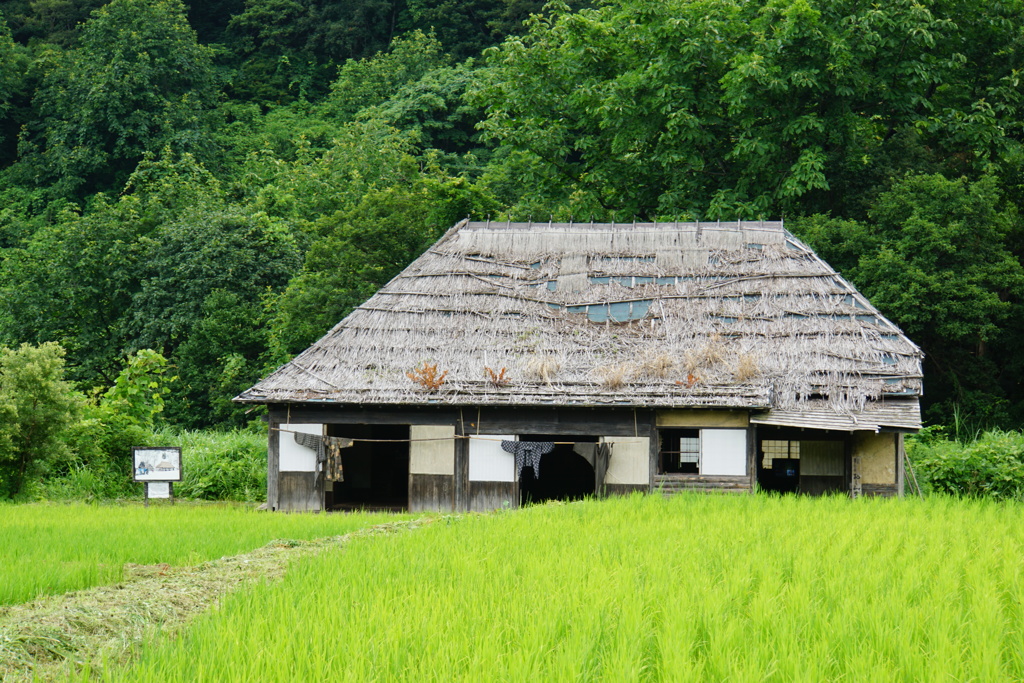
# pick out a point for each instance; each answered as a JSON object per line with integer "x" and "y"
{"x": 680, "y": 451}
{"x": 712, "y": 452}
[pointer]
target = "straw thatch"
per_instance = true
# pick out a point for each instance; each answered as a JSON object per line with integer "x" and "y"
{"x": 739, "y": 315}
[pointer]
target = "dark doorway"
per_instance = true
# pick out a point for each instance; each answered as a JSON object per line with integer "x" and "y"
{"x": 812, "y": 462}
{"x": 376, "y": 470}
{"x": 564, "y": 474}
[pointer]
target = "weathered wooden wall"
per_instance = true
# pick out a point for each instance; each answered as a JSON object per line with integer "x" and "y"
{"x": 431, "y": 468}
{"x": 445, "y": 473}
{"x": 880, "y": 463}
{"x": 298, "y": 492}
{"x": 431, "y": 492}
{"x": 492, "y": 495}
{"x": 668, "y": 484}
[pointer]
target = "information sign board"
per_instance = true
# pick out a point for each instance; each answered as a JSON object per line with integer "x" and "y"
{"x": 156, "y": 464}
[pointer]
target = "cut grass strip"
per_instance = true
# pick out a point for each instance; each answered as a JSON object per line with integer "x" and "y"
{"x": 52, "y": 549}
{"x": 61, "y": 636}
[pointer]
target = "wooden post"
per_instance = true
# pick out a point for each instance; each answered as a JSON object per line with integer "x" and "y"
{"x": 752, "y": 455}
{"x": 461, "y": 478}
{"x": 901, "y": 456}
{"x": 275, "y": 419}
{"x": 655, "y": 449}
{"x": 856, "y": 490}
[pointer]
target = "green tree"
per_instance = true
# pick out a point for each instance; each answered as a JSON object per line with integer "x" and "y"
{"x": 313, "y": 183}
{"x": 112, "y": 421}
{"x": 724, "y": 108}
{"x": 937, "y": 257}
{"x": 210, "y": 18}
{"x": 138, "y": 82}
{"x": 224, "y": 354}
{"x": 71, "y": 282}
{"x": 367, "y": 82}
{"x": 74, "y": 280}
{"x": 139, "y": 390}
{"x": 364, "y": 247}
{"x": 289, "y": 49}
{"x": 433, "y": 112}
{"x": 13, "y": 68}
{"x": 56, "y": 22}
{"x": 230, "y": 250}
{"x": 37, "y": 406}
{"x": 466, "y": 27}
{"x": 608, "y": 111}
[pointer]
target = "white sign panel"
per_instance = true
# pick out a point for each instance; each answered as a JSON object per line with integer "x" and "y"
{"x": 156, "y": 464}
{"x": 723, "y": 452}
{"x": 158, "y": 489}
{"x": 296, "y": 458}
{"x": 487, "y": 461}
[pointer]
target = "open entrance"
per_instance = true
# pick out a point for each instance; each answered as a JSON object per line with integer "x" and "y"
{"x": 375, "y": 471}
{"x": 565, "y": 474}
{"x": 797, "y": 461}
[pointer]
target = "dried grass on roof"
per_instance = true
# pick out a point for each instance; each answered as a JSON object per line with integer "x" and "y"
{"x": 737, "y": 315}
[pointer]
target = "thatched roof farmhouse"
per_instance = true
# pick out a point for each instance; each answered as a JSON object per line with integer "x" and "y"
{"x": 687, "y": 355}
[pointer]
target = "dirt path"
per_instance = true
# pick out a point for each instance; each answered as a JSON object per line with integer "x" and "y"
{"x": 53, "y": 637}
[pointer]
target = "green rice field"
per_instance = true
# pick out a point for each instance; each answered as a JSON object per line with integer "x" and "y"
{"x": 746, "y": 588}
{"x": 52, "y": 549}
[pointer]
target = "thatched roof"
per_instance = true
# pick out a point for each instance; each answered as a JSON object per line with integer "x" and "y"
{"x": 670, "y": 315}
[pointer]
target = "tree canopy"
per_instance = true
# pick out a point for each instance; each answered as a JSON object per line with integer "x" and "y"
{"x": 725, "y": 108}
{"x": 139, "y": 81}
{"x": 221, "y": 182}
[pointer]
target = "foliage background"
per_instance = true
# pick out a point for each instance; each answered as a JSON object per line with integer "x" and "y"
{"x": 219, "y": 183}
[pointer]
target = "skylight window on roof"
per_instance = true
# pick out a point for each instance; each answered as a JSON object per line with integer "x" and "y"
{"x": 616, "y": 311}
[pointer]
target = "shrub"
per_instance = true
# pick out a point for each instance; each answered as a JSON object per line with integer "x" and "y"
{"x": 991, "y": 466}
{"x": 36, "y": 407}
{"x": 220, "y": 465}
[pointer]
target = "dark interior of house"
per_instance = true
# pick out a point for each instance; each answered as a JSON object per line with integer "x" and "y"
{"x": 564, "y": 475}
{"x": 800, "y": 461}
{"x": 376, "y": 472}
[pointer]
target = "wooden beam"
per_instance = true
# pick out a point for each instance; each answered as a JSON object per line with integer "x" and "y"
{"x": 418, "y": 415}
{"x": 702, "y": 418}
{"x": 462, "y": 500}
{"x": 275, "y": 418}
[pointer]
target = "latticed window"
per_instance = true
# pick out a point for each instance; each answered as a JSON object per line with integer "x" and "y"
{"x": 689, "y": 452}
{"x": 779, "y": 449}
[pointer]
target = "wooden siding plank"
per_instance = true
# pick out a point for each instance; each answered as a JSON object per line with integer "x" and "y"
{"x": 668, "y": 484}
{"x": 298, "y": 492}
{"x": 492, "y": 495}
{"x": 461, "y": 478}
{"x": 431, "y": 493}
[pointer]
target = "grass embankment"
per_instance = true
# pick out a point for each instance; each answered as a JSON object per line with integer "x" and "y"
{"x": 693, "y": 588}
{"x": 52, "y": 549}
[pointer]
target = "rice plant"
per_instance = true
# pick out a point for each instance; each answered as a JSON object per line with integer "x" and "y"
{"x": 51, "y": 549}
{"x": 639, "y": 588}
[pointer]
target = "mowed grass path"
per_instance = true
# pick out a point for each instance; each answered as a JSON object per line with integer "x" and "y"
{"x": 693, "y": 588}
{"x": 52, "y": 549}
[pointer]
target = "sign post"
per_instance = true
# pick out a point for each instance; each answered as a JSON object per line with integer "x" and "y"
{"x": 157, "y": 468}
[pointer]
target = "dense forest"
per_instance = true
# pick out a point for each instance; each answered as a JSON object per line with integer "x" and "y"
{"x": 221, "y": 182}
